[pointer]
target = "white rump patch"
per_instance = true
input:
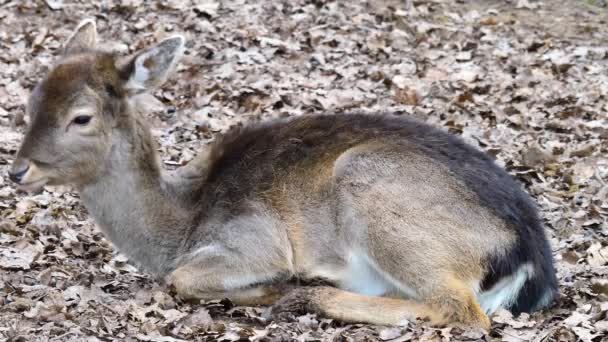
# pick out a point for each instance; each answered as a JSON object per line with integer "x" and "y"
{"x": 506, "y": 290}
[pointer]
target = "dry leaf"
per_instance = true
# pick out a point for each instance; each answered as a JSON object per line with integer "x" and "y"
{"x": 597, "y": 254}
{"x": 20, "y": 257}
{"x": 389, "y": 334}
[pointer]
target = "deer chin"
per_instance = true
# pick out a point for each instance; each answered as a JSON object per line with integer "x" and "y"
{"x": 34, "y": 186}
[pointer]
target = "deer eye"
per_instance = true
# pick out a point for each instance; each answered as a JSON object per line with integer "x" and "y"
{"x": 82, "y": 119}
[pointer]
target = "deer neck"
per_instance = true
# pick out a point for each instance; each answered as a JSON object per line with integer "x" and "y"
{"x": 130, "y": 203}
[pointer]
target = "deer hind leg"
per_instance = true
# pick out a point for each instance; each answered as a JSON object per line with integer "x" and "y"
{"x": 455, "y": 306}
{"x": 353, "y": 307}
{"x": 457, "y": 303}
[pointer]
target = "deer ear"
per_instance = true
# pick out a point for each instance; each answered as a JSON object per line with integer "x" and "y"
{"x": 149, "y": 68}
{"x": 84, "y": 38}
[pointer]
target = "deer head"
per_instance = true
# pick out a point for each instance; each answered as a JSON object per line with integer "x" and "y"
{"x": 75, "y": 110}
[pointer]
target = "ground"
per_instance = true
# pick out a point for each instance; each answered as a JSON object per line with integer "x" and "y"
{"x": 526, "y": 81}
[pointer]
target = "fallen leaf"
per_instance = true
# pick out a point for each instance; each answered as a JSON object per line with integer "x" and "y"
{"x": 389, "y": 333}
{"x": 54, "y": 4}
{"x": 19, "y": 257}
{"x": 597, "y": 254}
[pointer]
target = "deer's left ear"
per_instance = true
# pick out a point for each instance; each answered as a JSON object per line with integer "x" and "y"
{"x": 84, "y": 38}
{"x": 149, "y": 68}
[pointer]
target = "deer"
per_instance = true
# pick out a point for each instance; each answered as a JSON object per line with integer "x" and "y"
{"x": 402, "y": 221}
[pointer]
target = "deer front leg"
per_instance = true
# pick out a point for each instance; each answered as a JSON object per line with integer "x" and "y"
{"x": 246, "y": 276}
{"x": 192, "y": 281}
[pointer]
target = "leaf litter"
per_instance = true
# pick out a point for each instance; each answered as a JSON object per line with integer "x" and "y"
{"x": 523, "y": 80}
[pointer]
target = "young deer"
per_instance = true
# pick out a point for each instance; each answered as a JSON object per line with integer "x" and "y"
{"x": 405, "y": 220}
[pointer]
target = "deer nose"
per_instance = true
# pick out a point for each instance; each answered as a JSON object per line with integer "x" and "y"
{"x": 17, "y": 176}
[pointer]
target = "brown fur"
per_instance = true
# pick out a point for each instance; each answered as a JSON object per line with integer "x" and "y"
{"x": 373, "y": 204}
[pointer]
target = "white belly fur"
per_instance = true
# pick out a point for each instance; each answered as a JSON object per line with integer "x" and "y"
{"x": 362, "y": 275}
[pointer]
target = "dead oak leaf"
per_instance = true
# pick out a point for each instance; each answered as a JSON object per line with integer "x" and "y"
{"x": 576, "y": 318}
{"x": 156, "y": 337}
{"x": 389, "y": 333}
{"x": 199, "y": 320}
{"x": 407, "y": 96}
{"x": 505, "y": 317}
{"x": 19, "y": 257}
{"x": 597, "y": 255}
{"x": 584, "y": 334}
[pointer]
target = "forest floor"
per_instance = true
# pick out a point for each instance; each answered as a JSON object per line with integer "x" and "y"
{"x": 524, "y": 80}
